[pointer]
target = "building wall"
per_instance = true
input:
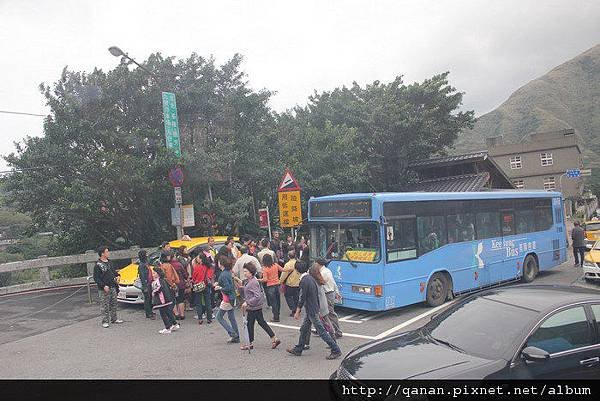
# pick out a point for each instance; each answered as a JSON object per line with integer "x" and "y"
{"x": 566, "y": 155}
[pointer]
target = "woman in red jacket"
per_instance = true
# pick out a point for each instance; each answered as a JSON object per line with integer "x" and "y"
{"x": 202, "y": 273}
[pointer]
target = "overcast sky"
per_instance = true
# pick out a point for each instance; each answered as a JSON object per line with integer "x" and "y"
{"x": 491, "y": 48}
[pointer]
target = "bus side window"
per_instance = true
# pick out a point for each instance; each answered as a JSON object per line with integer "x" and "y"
{"x": 404, "y": 245}
{"x": 431, "y": 233}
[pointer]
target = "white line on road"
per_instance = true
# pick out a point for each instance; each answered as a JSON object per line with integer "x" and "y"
{"x": 350, "y": 316}
{"x": 352, "y": 321}
{"x": 285, "y": 326}
{"x": 411, "y": 321}
{"x": 374, "y": 315}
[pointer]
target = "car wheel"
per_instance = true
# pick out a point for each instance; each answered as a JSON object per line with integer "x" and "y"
{"x": 530, "y": 269}
{"x": 437, "y": 290}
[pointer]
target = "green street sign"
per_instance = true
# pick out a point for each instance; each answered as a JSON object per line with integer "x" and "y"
{"x": 171, "y": 123}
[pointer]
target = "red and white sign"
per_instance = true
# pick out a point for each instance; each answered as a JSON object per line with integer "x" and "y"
{"x": 263, "y": 218}
{"x": 288, "y": 183}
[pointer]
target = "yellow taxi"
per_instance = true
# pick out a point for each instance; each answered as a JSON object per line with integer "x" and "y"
{"x": 591, "y": 263}
{"x": 129, "y": 291}
{"x": 592, "y": 232}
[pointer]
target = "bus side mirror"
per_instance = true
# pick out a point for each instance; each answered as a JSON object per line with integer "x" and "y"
{"x": 389, "y": 233}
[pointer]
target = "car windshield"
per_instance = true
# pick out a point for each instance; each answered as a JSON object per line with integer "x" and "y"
{"x": 357, "y": 242}
{"x": 482, "y": 327}
{"x": 592, "y": 226}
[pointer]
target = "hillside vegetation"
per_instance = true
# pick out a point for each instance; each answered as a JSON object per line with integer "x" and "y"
{"x": 566, "y": 97}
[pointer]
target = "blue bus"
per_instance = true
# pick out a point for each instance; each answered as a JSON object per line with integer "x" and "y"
{"x": 389, "y": 250}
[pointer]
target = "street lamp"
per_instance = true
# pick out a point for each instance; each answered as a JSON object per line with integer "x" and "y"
{"x": 117, "y": 52}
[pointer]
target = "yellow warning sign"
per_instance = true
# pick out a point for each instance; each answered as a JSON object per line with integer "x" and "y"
{"x": 290, "y": 211}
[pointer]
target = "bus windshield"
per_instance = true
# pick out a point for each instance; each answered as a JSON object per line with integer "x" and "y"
{"x": 356, "y": 242}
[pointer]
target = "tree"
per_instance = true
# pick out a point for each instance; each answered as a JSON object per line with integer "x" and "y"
{"x": 395, "y": 123}
{"x": 99, "y": 171}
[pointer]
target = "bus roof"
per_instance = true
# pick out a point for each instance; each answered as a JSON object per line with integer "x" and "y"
{"x": 423, "y": 196}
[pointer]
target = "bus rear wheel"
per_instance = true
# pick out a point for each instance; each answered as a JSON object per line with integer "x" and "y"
{"x": 530, "y": 269}
{"x": 437, "y": 290}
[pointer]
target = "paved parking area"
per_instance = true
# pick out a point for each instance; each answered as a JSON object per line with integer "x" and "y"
{"x": 57, "y": 334}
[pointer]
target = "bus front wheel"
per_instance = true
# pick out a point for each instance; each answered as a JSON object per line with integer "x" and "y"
{"x": 530, "y": 269}
{"x": 437, "y": 290}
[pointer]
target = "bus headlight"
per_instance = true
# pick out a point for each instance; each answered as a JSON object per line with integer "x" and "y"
{"x": 362, "y": 289}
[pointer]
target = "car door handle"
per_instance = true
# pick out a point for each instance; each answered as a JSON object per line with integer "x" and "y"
{"x": 590, "y": 362}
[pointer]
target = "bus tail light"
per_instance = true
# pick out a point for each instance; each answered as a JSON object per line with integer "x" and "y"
{"x": 378, "y": 291}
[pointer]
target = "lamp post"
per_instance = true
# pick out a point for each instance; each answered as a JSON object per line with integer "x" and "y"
{"x": 126, "y": 59}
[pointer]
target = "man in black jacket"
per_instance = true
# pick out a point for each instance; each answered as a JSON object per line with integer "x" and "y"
{"x": 107, "y": 280}
{"x": 309, "y": 299}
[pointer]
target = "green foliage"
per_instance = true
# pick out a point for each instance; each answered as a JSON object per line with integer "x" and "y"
{"x": 99, "y": 172}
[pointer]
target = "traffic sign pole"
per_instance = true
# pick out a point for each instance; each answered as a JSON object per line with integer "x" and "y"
{"x": 173, "y": 144}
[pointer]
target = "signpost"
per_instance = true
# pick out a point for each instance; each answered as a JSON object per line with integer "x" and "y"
{"x": 290, "y": 211}
{"x": 171, "y": 122}
{"x": 172, "y": 141}
{"x": 264, "y": 220}
{"x": 187, "y": 212}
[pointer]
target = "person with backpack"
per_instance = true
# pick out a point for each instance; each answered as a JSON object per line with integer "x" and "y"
{"x": 162, "y": 299}
{"x": 252, "y": 306}
{"x": 181, "y": 285}
{"x": 290, "y": 281}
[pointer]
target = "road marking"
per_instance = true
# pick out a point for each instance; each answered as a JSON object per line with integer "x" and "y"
{"x": 374, "y": 315}
{"x": 285, "y": 326}
{"x": 351, "y": 321}
{"x": 350, "y": 316}
{"x": 411, "y": 321}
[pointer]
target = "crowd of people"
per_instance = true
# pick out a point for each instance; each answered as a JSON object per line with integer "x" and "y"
{"x": 251, "y": 278}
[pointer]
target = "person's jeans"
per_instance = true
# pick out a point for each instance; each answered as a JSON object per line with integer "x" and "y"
{"x": 579, "y": 254}
{"x": 231, "y": 329}
{"x": 291, "y": 297}
{"x": 274, "y": 300}
{"x": 108, "y": 305}
{"x": 333, "y": 317}
{"x": 257, "y": 316}
{"x": 203, "y": 303}
{"x": 167, "y": 315}
{"x": 304, "y": 338}
{"x": 148, "y": 303}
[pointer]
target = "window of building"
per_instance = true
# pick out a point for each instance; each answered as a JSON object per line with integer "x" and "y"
{"x": 515, "y": 162}
{"x": 549, "y": 184}
{"x": 519, "y": 184}
{"x": 546, "y": 159}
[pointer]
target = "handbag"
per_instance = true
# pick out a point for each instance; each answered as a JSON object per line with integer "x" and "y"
{"x": 226, "y": 306}
{"x": 199, "y": 287}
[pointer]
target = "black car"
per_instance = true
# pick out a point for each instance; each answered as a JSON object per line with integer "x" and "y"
{"x": 521, "y": 332}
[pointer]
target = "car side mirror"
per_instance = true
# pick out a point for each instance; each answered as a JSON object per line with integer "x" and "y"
{"x": 535, "y": 354}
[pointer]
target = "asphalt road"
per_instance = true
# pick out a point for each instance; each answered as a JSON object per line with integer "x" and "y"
{"x": 56, "y": 334}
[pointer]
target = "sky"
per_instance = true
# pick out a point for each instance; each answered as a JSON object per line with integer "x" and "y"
{"x": 293, "y": 48}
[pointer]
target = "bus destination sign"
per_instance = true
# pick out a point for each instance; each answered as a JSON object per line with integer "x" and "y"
{"x": 351, "y": 208}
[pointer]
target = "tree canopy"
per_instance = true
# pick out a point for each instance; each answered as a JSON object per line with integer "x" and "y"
{"x": 99, "y": 173}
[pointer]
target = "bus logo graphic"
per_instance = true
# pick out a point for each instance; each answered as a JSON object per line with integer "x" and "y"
{"x": 338, "y": 273}
{"x": 478, "y": 253}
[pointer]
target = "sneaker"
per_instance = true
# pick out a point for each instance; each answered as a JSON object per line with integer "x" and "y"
{"x": 175, "y": 327}
{"x": 165, "y": 331}
{"x": 105, "y": 325}
{"x": 338, "y": 335}
{"x": 235, "y": 340}
{"x": 333, "y": 355}
{"x": 294, "y": 352}
{"x": 306, "y": 347}
{"x": 118, "y": 321}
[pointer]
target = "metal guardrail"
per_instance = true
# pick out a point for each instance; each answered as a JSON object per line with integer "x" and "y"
{"x": 45, "y": 264}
